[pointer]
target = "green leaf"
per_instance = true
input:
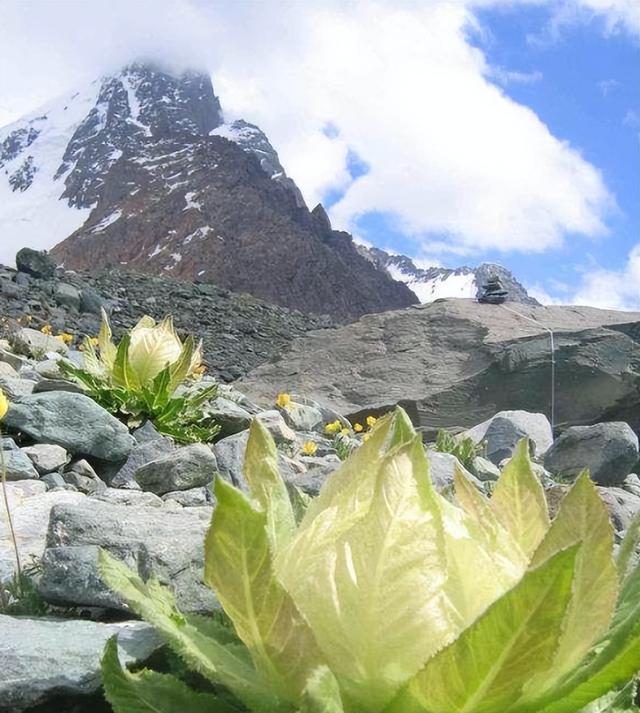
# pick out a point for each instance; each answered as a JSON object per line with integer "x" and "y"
{"x": 123, "y": 374}
{"x": 628, "y": 548}
{"x": 615, "y": 702}
{"x": 267, "y": 487}
{"x": 322, "y": 693}
{"x": 519, "y": 503}
{"x": 582, "y": 518}
{"x": 203, "y": 653}
{"x": 486, "y": 668}
{"x": 369, "y": 573}
{"x": 151, "y": 692}
{"x": 389, "y": 432}
{"x": 238, "y": 566}
{"x": 181, "y": 368}
{"x": 612, "y": 668}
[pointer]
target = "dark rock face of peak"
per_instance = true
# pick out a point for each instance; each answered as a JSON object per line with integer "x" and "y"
{"x": 253, "y": 140}
{"x": 205, "y": 209}
{"x": 166, "y": 187}
{"x": 139, "y": 105}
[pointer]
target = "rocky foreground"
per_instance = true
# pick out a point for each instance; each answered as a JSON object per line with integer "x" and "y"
{"x": 79, "y": 480}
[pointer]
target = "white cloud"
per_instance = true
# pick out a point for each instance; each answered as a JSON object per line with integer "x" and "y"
{"x": 449, "y": 152}
{"x": 612, "y": 289}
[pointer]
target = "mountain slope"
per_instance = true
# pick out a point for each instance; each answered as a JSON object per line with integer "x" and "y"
{"x": 435, "y": 283}
{"x": 139, "y": 171}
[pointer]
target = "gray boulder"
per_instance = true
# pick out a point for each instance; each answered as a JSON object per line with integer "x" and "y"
{"x": 83, "y": 477}
{"x": 230, "y": 416}
{"x": 190, "y": 467}
{"x": 442, "y": 468}
{"x": 502, "y": 433}
{"x": 18, "y": 466}
{"x": 144, "y": 451}
{"x": 35, "y": 262}
{"x": 454, "y": 363}
{"x": 42, "y": 658}
{"x": 16, "y": 388}
{"x": 73, "y": 421}
{"x": 229, "y": 453}
{"x": 302, "y": 417}
{"x": 608, "y": 450}
{"x": 192, "y": 498}
{"x": 36, "y": 344}
{"x": 30, "y": 506}
{"x": 46, "y": 458}
{"x": 622, "y": 505}
{"x": 128, "y": 497}
{"x": 67, "y": 295}
{"x": 169, "y": 547}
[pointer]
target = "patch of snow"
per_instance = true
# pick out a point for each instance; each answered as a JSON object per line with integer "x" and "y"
{"x": 176, "y": 257}
{"x": 442, "y": 286}
{"x": 134, "y": 104}
{"x": 191, "y": 203}
{"x": 38, "y": 217}
{"x": 199, "y": 233}
{"x": 201, "y": 272}
{"x": 156, "y": 251}
{"x": 106, "y": 221}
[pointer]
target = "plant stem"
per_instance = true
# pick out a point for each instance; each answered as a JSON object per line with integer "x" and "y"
{"x": 5, "y": 494}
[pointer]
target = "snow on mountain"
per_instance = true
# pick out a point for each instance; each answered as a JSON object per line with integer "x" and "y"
{"x": 31, "y": 183}
{"x": 53, "y": 162}
{"x": 253, "y": 140}
{"x": 436, "y": 283}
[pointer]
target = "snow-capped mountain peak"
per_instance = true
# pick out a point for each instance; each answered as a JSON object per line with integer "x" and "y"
{"x": 433, "y": 283}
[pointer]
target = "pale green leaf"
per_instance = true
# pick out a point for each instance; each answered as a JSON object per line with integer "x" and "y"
{"x": 615, "y": 702}
{"x": 369, "y": 573}
{"x": 151, "y": 692}
{"x": 322, "y": 693}
{"x": 152, "y": 348}
{"x": 105, "y": 342}
{"x": 389, "y": 432}
{"x": 238, "y": 566}
{"x": 519, "y": 503}
{"x": 267, "y": 487}
{"x": 485, "y": 669}
{"x": 122, "y": 373}
{"x": 203, "y": 653}
{"x": 181, "y": 368}
{"x": 582, "y": 518}
{"x": 629, "y": 546}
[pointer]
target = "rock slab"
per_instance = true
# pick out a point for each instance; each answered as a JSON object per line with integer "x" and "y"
{"x": 49, "y": 657}
{"x": 608, "y": 450}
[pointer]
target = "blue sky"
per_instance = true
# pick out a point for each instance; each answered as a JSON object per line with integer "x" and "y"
{"x": 583, "y": 82}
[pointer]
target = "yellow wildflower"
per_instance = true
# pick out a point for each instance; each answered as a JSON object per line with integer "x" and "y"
{"x": 345, "y": 432}
{"x": 333, "y": 427}
{"x": 283, "y": 400}
{"x": 94, "y": 341}
{"x": 357, "y": 427}
{"x": 46, "y": 329}
{"x": 309, "y": 448}
{"x": 371, "y": 420}
{"x": 65, "y": 337}
{"x": 4, "y": 405}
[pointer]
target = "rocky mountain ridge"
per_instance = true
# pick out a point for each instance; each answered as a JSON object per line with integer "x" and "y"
{"x": 139, "y": 171}
{"x": 433, "y": 283}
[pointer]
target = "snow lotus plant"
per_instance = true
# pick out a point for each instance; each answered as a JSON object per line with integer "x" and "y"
{"x": 384, "y": 597}
{"x": 139, "y": 378}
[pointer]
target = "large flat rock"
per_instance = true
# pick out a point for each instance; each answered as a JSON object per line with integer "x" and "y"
{"x": 168, "y": 545}
{"x": 48, "y": 657}
{"x": 455, "y": 363}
